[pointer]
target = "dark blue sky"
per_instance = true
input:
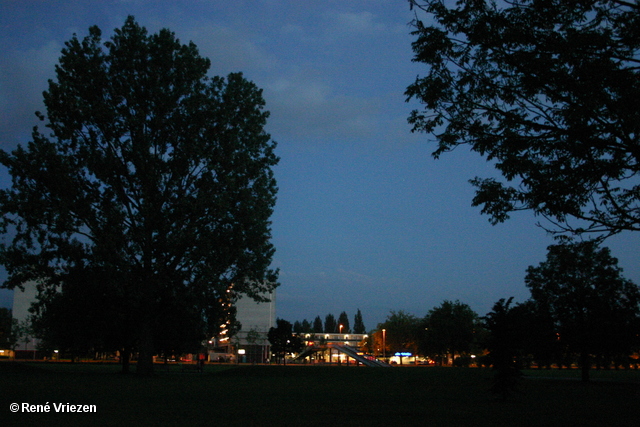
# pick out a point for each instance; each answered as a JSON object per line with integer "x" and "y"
{"x": 365, "y": 217}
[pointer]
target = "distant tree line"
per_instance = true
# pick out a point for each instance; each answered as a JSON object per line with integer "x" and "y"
{"x": 448, "y": 333}
{"x": 582, "y": 312}
{"x": 331, "y": 325}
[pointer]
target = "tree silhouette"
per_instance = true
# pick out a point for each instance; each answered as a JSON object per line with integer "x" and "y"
{"x": 546, "y": 90}
{"x": 401, "y": 332}
{"x": 317, "y": 325}
{"x": 594, "y": 308}
{"x": 282, "y": 340}
{"x": 152, "y": 172}
{"x": 343, "y": 320}
{"x": 330, "y": 324}
{"x": 450, "y": 329}
{"x": 358, "y": 324}
{"x": 505, "y": 346}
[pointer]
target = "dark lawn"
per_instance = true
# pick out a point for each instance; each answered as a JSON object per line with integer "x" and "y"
{"x": 315, "y": 395}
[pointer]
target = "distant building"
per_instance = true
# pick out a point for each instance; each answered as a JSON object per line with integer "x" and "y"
{"x": 20, "y": 311}
{"x": 256, "y": 320}
{"x": 352, "y": 340}
{"x": 334, "y": 348}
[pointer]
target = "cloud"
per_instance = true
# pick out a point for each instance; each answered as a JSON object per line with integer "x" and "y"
{"x": 361, "y": 25}
{"x": 305, "y": 104}
{"x": 303, "y": 100}
{"x": 298, "y": 66}
{"x": 228, "y": 49}
{"x": 359, "y": 22}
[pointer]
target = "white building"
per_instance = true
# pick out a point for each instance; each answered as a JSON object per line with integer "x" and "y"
{"x": 20, "y": 311}
{"x": 256, "y": 320}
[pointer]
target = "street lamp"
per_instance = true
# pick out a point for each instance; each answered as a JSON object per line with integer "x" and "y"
{"x": 340, "y": 328}
{"x": 384, "y": 344}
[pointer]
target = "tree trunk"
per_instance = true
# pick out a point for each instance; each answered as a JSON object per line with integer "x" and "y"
{"x": 146, "y": 351}
{"x": 585, "y": 365}
{"x": 125, "y": 355}
{"x": 145, "y": 359}
{"x": 146, "y": 303}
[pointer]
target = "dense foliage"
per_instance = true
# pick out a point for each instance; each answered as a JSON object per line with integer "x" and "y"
{"x": 283, "y": 341}
{"x": 450, "y": 329}
{"x": 545, "y": 89}
{"x": 147, "y": 202}
{"x": 8, "y": 329}
{"x": 595, "y": 310}
{"x": 358, "y": 323}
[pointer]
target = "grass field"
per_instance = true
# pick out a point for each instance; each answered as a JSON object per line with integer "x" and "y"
{"x": 314, "y": 396}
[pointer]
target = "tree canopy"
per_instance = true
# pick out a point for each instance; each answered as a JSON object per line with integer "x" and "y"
{"x": 401, "y": 332}
{"x": 330, "y": 324}
{"x": 547, "y": 91}
{"x": 155, "y": 180}
{"x": 282, "y": 339}
{"x": 358, "y": 323}
{"x": 343, "y": 320}
{"x": 594, "y": 308}
{"x": 505, "y": 343}
{"x": 317, "y": 325}
{"x": 449, "y": 329}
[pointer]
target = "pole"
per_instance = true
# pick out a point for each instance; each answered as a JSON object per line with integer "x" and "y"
{"x": 384, "y": 344}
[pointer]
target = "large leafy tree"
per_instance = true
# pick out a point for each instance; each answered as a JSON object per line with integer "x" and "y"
{"x": 505, "y": 345}
{"x": 594, "y": 308}
{"x": 545, "y": 89}
{"x": 153, "y": 178}
{"x": 283, "y": 341}
{"x": 449, "y": 329}
{"x": 401, "y": 332}
{"x": 538, "y": 334}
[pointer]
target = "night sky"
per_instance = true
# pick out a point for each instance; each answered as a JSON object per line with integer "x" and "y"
{"x": 366, "y": 218}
